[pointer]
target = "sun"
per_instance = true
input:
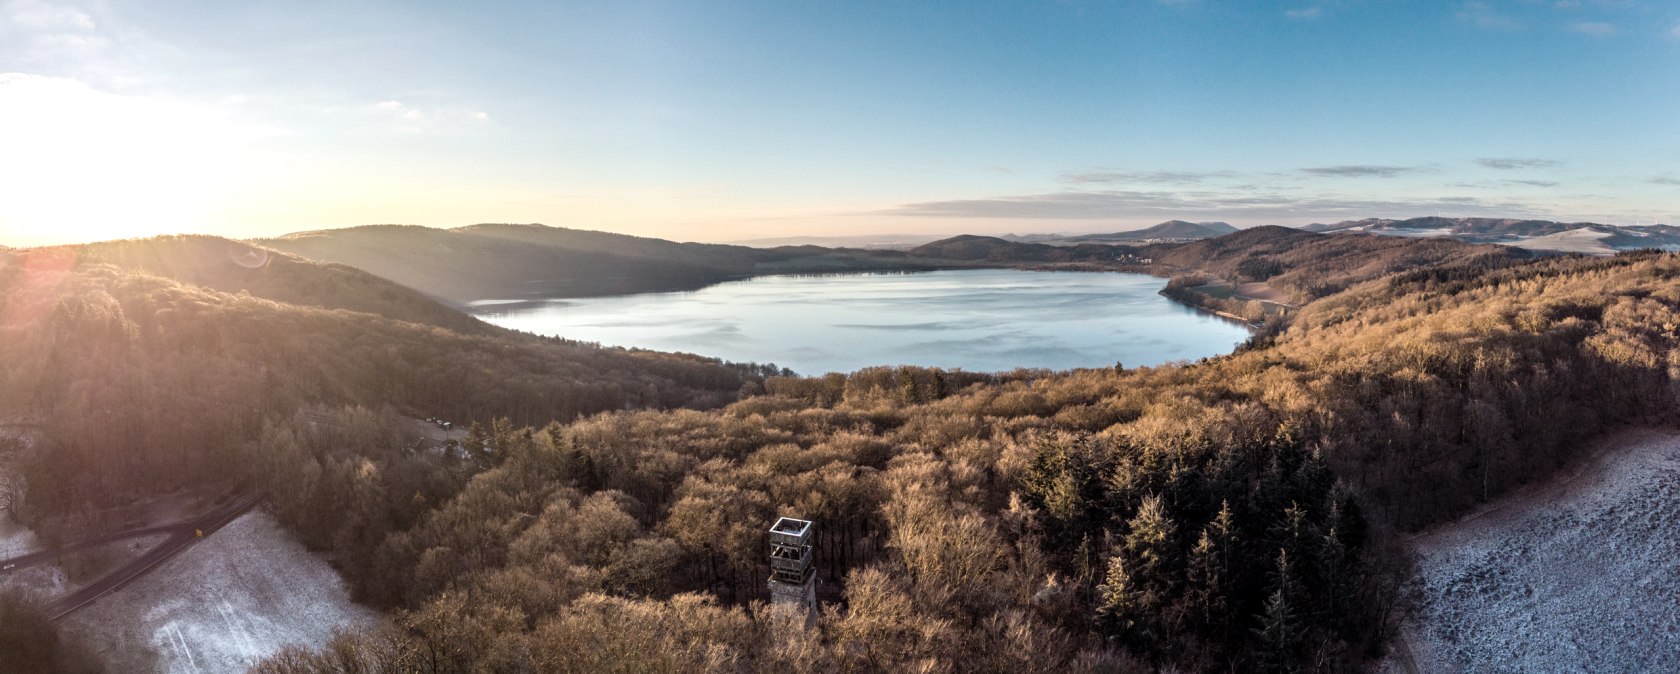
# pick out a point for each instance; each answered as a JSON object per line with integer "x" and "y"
{"x": 78, "y": 164}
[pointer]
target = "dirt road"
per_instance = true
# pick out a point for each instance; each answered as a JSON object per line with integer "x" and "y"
{"x": 181, "y": 536}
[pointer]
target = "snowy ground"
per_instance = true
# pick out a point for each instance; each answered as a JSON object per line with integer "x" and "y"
{"x": 220, "y": 605}
{"x": 1578, "y": 575}
{"x": 16, "y": 540}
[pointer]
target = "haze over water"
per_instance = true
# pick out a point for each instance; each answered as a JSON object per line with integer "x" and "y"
{"x": 976, "y": 320}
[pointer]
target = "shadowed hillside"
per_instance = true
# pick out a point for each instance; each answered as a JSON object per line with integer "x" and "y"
{"x": 521, "y": 261}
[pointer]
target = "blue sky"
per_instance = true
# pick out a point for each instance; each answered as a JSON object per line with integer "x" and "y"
{"x": 731, "y": 120}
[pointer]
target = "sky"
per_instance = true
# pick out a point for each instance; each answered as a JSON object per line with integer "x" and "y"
{"x": 726, "y": 121}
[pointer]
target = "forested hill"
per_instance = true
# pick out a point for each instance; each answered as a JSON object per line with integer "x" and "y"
{"x": 147, "y": 381}
{"x": 1307, "y": 265}
{"x": 236, "y": 267}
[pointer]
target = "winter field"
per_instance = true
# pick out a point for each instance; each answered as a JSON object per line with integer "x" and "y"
{"x": 1580, "y": 574}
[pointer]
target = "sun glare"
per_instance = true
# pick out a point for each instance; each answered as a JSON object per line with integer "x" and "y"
{"x": 79, "y": 165}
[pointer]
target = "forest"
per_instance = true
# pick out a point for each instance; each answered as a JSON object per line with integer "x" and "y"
{"x": 607, "y": 511}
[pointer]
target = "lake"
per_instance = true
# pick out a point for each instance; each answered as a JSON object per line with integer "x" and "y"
{"x": 973, "y": 319}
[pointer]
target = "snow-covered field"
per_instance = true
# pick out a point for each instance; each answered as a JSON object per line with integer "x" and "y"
{"x": 220, "y": 605}
{"x": 1578, "y": 575}
{"x": 1580, "y": 240}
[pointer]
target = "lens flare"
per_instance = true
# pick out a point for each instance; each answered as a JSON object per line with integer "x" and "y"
{"x": 249, "y": 257}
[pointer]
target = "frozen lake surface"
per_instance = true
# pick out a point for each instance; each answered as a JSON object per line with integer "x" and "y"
{"x": 973, "y": 319}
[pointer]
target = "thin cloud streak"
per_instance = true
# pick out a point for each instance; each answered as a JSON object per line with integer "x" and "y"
{"x": 1483, "y": 15}
{"x": 1149, "y": 177}
{"x": 1512, "y": 164}
{"x": 1359, "y": 171}
{"x": 1593, "y": 28}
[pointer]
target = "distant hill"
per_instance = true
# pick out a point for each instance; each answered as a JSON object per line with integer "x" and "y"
{"x": 501, "y": 261}
{"x": 521, "y": 261}
{"x": 1033, "y": 238}
{"x": 1171, "y": 230}
{"x": 1308, "y": 265}
{"x": 871, "y": 241}
{"x": 972, "y": 248}
{"x": 1541, "y": 235}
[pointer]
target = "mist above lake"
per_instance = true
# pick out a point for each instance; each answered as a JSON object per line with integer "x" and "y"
{"x": 973, "y": 319}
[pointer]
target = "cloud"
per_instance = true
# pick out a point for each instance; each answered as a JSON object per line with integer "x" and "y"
{"x": 1515, "y": 163}
{"x": 1593, "y": 28}
{"x": 1305, "y": 13}
{"x": 1131, "y": 204}
{"x": 1149, "y": 177}
{"x": 83, "y": 43}
{"x": 1665, "y": 180}
{"x": 1675, "y": 31}
{"x": 405, "y": 118}
{"x": 1359, "y": 171}
{"x": 44, "y": 17}
{"x": 1483, "y": 15}
{"x": 1496, "y": 184}
{"x": 40, "y": 34}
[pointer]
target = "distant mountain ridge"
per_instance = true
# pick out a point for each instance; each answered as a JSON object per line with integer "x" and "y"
{"x": 1171, "y": 230}
{"x": 1543, "y": 235}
